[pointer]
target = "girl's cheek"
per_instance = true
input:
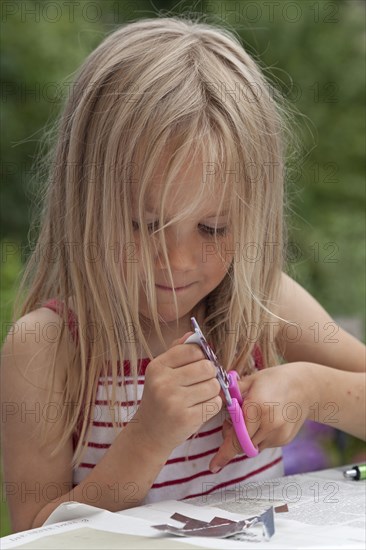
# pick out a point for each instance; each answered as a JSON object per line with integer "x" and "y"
{"x": 227, "y": 250}
{"x": 129, "y": 253}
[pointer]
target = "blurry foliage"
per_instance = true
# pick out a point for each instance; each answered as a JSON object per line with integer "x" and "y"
{"x": 11, "y": 268}
{"x": 313, "y": 51}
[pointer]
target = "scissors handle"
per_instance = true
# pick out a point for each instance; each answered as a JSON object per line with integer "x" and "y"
{"x": 237, "y": 416}
{"x": 235, "y": 408}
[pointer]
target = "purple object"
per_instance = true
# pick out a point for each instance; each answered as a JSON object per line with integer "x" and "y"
{"x": 306, "y": 452}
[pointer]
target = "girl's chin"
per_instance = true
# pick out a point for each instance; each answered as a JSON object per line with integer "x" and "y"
{"x": 164, "y": 315}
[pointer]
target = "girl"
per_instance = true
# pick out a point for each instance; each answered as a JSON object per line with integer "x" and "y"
{"x": 165, "y": 201}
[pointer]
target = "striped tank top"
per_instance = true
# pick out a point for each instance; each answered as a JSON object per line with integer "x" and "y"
{"x": 185, "y": 474}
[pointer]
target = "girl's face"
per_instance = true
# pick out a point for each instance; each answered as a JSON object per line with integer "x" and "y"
{"x": 194, "y": 258}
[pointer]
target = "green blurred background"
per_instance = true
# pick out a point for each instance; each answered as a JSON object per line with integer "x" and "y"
{"x": 313, "y": 51}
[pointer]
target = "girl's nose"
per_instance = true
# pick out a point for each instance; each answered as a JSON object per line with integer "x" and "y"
{"x": 182, "y": 254}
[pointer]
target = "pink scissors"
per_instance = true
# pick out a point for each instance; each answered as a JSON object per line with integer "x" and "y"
{"x": 229, "y": 385}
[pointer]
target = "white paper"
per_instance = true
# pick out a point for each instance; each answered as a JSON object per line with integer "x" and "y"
{"x": 325, "y": 511}
{"x": 322, "y": 505}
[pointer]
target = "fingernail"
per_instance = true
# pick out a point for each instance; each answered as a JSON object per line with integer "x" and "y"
{"x": 215, "y": 469}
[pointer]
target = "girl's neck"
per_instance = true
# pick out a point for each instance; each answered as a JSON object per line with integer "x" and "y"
{"x": 171, "y": 333}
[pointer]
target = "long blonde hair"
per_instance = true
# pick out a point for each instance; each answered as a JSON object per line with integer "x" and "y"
{"x": 157, "y": 85}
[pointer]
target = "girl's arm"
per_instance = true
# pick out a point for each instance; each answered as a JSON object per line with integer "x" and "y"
{"x": 323, "y": 380}
{"x": 314, "y": 336}
{"x": 31, "y": 476}
{"x": 178, "y": 386}
{"x": 332, "y": 361}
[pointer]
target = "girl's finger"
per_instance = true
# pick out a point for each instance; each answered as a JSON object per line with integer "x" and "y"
{"x": 263, "y": 439}
{"x": 192, "y": 374}
{"x": 227, "y": 424}
{"x": 245, "y": 383}
{"x": 201, "y": 392}
{"x": 230, "y": 448}
{"x": 182, "y": 339}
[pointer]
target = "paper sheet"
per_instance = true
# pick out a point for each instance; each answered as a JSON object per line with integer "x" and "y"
{"x": 85, "y": 538}
{"x": 311, "y": 499}
{"x": 325, "y": 511}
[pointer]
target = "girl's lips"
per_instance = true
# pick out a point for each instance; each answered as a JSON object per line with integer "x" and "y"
{"x": 169, "y": 289}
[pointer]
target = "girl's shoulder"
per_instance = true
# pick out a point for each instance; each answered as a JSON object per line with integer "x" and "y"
{"x": 32, "y": 397}
{"x": 279, "y": 305}
{"x": 31, "y": 343}
{"x": 289, "y": 294}
{"x": 288, "y": 301}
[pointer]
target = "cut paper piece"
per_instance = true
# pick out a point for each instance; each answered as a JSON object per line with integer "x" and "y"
{"x": 219, "y": 527}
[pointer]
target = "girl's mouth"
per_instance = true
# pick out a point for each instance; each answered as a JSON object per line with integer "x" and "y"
{"x": 169, "y": 289}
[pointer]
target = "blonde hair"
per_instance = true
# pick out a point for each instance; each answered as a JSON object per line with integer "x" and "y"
{"x": 157, "y": 85}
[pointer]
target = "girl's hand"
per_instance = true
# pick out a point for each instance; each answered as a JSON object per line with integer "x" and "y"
{"x": 181, "y": 392}
{"x": 277, "y": 401}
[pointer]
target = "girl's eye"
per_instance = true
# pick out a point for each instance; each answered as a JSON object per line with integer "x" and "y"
{"x": 150, "y": 226}
{"x": 212, "y": 231}
{"x": 206, "y": 229}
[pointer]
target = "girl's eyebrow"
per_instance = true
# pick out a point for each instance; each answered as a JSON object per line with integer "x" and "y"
{"x": 204, "y": 216}
{"x": 223, "y": 213}
{"x": 207, "y": 213}
{"x": 220, "y": 214}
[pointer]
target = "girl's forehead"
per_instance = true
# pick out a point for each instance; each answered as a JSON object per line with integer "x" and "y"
{"x": 193, "y": 180}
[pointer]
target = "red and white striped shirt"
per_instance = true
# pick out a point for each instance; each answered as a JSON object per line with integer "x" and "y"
{"x": 186, "y": 472}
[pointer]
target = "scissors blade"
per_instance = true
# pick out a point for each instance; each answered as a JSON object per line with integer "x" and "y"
{"x": 221, "y": 375}
{"x": 224, "y": 383}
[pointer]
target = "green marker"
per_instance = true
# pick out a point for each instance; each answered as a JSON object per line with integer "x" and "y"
{"x": 356, "y": 472}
